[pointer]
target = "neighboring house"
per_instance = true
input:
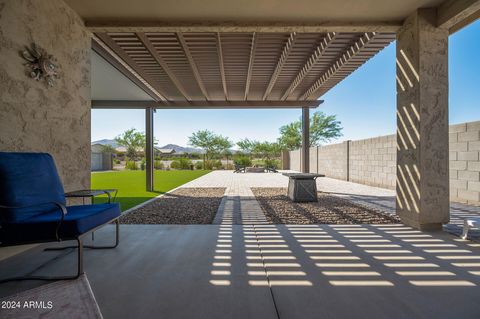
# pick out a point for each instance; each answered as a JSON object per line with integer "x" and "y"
{"x": 100, "y": 160}
{"x": 164, "y": 151}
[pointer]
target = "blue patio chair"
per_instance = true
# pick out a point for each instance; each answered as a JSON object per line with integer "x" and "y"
{"x": 33, "y": 208}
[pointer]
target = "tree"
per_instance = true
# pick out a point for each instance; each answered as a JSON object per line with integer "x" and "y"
{"x": 212, "y": 144}
{"x": 323, "y": 128}
{"x": 133, "y": 141}
{"x": 246, "y": 145}
{"x": 108, "y": 149}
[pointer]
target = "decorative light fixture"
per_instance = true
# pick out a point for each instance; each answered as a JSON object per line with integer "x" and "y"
{"x": 40, "y": 64}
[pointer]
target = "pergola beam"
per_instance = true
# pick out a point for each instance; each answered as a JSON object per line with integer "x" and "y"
{"x": 161, "y": 26}
{"x": 339, "y": 64}
{"x": 281, "y": 62}
{"x": 129, "y": 63}
{"x": 317, "y": 54}
{"x": 101, "y": 49}
{"x": 455, "y": 14}
{"x": 250, "y": 66}
{"x": 123, "y": 104}
{"x": 193, "y": 65}
{"x": 154, "y": 53}
{"x": 221, "y": 65}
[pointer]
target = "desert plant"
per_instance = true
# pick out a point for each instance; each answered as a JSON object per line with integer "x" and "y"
{"x": 198, "y": 165}
{"x": 158, "y": 164}
{"x": 131, "y": 165}
{"x": 272, "y": 163}
{"x": 243, "y": 161}
{"x": 181, "y": 163}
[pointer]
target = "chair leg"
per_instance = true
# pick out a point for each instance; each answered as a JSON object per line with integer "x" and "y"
{"x": 117, "y": 240}
{"x": 54, "y": 278}
{"x": 466, "y": 227}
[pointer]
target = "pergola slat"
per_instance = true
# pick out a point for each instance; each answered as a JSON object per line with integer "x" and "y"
{"x": 153, "y": 52}
{"x": 248, "y": 66}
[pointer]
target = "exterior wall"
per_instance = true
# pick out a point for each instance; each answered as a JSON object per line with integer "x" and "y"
{"x": 295, "y": 160}
{"x": 373, "y": 162}
{"x": 332, "y": 160}
{"x": 33, "y": 116}
{"x": 465, "y": 162}
{"x": 101, "y": 161}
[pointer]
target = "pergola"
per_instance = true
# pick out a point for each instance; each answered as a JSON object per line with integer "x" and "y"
{"x": 207, "y": 55}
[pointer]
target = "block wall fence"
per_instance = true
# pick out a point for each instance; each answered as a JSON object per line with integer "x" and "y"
{"x": 373, "y": 161}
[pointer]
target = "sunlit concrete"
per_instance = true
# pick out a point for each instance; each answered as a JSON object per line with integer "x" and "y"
{"x": 196, "y": 272}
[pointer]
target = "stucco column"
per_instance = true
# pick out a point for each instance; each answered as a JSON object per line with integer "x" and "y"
{"x": 149, "y": 150}
{"x": 422, "y": 122}
{"x": 305, "y": 153}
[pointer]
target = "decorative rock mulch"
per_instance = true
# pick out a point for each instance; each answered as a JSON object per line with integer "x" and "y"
{"x": 329, "y": 209}
{"x": 183, "y": 206}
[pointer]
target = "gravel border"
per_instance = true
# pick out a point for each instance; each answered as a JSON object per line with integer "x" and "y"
{"x": 330, "y": 209}
{"x": 183, "y": 206}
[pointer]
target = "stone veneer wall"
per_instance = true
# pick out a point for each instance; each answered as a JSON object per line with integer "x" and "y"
{"x": 37, "y": 118}
{"x": 372, "y": 161}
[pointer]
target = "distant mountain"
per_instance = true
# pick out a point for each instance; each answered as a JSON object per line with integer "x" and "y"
{"x": 112, "y": 143}
{"x": 181, "y": 149}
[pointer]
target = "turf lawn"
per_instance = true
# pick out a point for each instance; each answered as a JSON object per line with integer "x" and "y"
{"x": 131, "y": 184}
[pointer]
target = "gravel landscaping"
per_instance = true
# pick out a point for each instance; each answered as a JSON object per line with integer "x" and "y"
{"x": 183, "y": 206}
{"x": 329, "y": 209}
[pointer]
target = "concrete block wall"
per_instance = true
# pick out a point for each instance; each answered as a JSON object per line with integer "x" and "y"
{"x": 333, "y": 160}
{"x": 464, "y": 142}
{"x": 372, "y": 161}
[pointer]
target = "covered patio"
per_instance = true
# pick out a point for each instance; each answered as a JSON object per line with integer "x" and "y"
{"x": 248, "y": 55}
{"x": 238, "y": 268}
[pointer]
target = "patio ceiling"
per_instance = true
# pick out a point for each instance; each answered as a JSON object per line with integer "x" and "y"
{"x": 247, "y": 69}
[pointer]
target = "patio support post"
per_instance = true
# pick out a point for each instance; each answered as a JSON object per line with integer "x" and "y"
{"x": 422, "y": 191}
{"x": 305, "y": 155}
{"x": 149, "y": 150}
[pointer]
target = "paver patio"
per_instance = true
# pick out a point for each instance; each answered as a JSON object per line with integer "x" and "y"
{"x": 244, "y": 268}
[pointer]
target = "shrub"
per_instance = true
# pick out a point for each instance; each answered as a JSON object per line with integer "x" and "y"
{"x": 243, "y": 161}
{"x": 228, "y": 166}
{"x": 117, "y": 161}
{"x": 158, "y": 165}
{"x": 131, "y": 165}
{"x": 272, "y": 163}
{"x": 199, "y": 165}
{"x": 142, "y": 164}
{"x": 181, "y": 163}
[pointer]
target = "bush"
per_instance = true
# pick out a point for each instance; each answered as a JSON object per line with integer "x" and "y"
{"x": 228, "y": 166}
{"x": 142, "y": 164}
{"x": 158, "y": 165}
{"x": 272, "y": 163}
{"x": 181, "y": 163}
{"x": 117, "y": 161}
{"x": 199, "y": 165}
{"x": 243, "y": 161}
{"x": 131, "y": 165}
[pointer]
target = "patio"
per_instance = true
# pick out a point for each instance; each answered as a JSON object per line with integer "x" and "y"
{"x": 244, "y": 268}
{"x": 212, "y": 54}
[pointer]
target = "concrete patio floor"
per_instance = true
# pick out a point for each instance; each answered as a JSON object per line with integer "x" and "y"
{"x": 273, "y": 271}
{"x": 244, "y": 268}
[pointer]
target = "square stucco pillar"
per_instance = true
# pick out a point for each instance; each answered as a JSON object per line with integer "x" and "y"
{"x": 422, "y": 122}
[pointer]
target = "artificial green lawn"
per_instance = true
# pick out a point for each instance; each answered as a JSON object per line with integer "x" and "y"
{"x": 131, "y": 184}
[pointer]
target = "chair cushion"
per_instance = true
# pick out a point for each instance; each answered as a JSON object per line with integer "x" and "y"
{"x": 79, "y": 220}
{"x": 28, "y": 179}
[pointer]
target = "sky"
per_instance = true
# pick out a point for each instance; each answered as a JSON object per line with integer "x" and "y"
{"x": 364, "y": 103}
